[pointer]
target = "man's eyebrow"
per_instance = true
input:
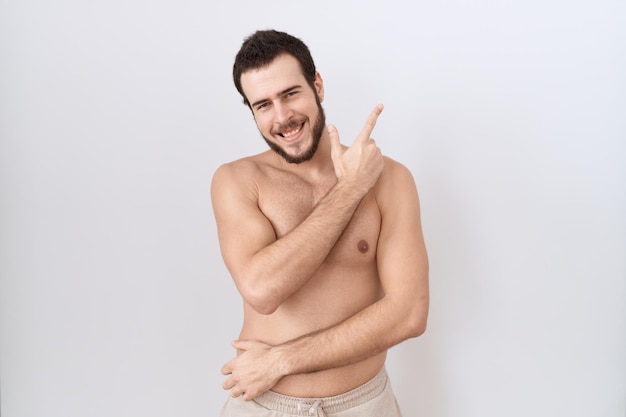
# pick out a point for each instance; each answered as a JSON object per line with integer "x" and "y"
{"x": 285, "y": 91}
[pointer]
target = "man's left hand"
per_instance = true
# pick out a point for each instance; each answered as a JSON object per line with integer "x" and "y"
{"x": 255, "y": 370}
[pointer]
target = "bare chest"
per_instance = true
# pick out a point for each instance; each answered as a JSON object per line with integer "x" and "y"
{"x": 288, "y": 201}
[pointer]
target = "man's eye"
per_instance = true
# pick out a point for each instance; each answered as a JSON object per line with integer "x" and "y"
{"x": 262, "y": 106}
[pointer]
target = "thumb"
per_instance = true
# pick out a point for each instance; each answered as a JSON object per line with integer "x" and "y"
{"x": 335, "y": 146}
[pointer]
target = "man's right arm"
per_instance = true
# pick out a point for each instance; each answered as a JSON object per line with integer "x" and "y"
{"x": 265, "y": 269}
{"x": 268, "y": 270}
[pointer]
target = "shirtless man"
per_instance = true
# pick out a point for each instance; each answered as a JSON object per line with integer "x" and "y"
{"x": 324, "y": 244}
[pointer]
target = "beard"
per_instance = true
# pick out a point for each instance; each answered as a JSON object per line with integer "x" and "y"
{"x": 318, "y": 130}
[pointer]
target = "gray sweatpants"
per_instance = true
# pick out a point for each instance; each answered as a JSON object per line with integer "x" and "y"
{"x": 375, "y": 398}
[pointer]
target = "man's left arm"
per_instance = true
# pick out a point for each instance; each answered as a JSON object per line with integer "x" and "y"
{"x": 400, "y": 314}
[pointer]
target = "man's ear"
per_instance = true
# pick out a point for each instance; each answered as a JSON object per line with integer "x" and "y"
{"x": 319, "y": 86}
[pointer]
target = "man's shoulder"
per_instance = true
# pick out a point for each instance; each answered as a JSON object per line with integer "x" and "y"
{"x": 243, "y": 174}
{"x": 395, "y": 179}
{"x": 236, "y": 178}
{"x": 394, "y": 170}
{"x": 252, "y": 164}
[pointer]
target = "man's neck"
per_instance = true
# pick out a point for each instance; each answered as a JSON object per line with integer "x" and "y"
{"x": 318, "y": 167}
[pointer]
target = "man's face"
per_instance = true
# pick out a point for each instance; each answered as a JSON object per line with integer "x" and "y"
{"x": 288, "y": 112}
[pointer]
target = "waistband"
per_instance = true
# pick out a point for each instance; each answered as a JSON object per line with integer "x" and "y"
{"x": 307, "y": 406}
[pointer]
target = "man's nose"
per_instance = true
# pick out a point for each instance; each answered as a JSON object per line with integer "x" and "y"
{"x": 283, "y": 113}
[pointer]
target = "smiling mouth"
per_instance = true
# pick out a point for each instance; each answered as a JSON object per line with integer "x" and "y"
{"x": 287, "y": 134}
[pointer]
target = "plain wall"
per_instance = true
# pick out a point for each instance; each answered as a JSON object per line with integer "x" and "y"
{"x": 114, "y": 115}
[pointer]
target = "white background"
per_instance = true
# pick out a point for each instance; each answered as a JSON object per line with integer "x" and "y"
{"x": 115, "y": 114}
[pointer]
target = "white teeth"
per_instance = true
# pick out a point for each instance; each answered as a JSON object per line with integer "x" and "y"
{"x": 291, "y": 133}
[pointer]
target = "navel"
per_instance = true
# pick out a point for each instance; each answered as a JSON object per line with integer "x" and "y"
{"x": 363, "y": 246}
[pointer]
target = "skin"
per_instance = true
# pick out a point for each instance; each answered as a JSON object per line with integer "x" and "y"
{"x": 328, "y": 254}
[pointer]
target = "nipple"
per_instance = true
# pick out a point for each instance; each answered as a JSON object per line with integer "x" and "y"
{"x": 363, "y": 246}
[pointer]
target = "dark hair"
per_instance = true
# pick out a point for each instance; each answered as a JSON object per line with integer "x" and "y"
{"x": 262, "y": 47}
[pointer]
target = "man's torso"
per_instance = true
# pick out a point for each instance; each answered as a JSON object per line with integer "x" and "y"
{"x": 345, "y": 283}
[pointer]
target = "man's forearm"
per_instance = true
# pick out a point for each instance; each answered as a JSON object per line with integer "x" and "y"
{"x": 283, "y": 267}
{"x": 371, "y": 331}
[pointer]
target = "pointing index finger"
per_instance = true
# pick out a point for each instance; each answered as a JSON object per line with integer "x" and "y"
{"x": 370, "y": 123}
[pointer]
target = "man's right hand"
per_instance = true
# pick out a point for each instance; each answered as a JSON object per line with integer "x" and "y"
{"x": 361, "y": 163}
